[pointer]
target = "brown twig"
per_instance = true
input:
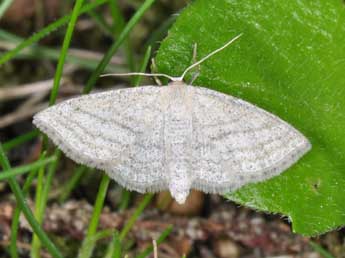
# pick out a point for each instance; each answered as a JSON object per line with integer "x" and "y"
{"x": 77, "y": 53}
{"x": 13, "y": 92}
{"x": 20, "y": 115}
{"x": 155, "y": 251}
{"x": 32, "y": 101}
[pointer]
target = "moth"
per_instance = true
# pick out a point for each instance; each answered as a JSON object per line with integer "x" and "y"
{"x": 175, "y": 138}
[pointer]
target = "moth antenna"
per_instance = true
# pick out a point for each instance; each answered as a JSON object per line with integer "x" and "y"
{"x": 180, "y": 78}
{"x": 209, "y": 55}
{"x": 142, "y": 74}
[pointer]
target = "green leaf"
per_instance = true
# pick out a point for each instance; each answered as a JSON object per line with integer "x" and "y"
{"x": 290, "y": 61}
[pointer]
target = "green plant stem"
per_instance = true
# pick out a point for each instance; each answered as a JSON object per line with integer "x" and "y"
{"x": 101, "y": 235}
{"x": 102, "y": 191}
{"x": 64, "y": 50}
{"x": 125, "y": 199}
{"x": 35, "y": 244}
{"x": 114, "y": 248}
{"x": 117, "y": 246}
{"x": 9, "y": 37}
{"x": 42, "y": 199}
{"x": 320, "y": 250}
{"x": 6, "y": 174}
{"x": 143, "y": 66}
{"x": 133, "y": 21}
{"x": 146, "y": 200}
{"x": 49, "y": 178}
{"x": 157, "y": 36}
{"x": 26, "y": 210}
{"x": 20, "y": 140}
{"x": 4, "y": 6}
{"x": 160, "y": 240}
{"x": 42, "y": 191}
{"x": 16, "y": 215}
{"x": 118, "y": 26}
{"x": 101, "y": 22}
{"x": 111, "y": 251}
{"x": 46, "y": 31}
{"x": 72, "y": 182}
{"x": 87, "y": 248}
{"x": 118, "y": 19}
{"x": 91, "y": 242}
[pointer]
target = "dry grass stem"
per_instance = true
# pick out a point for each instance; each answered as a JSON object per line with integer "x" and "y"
{"x": 20, "y": 114}
{"x": 155, "y": 250}
{"x": 14, "y": 92}
{"x": 74, "y": 52}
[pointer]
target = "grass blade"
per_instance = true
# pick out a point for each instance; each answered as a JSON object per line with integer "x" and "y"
{"x": 117, "y": 246}
{"x": 36, "y": 244}
{"x": 87, "y": 247}
{"x": 26, "y": 210}
{"x": 114, "y": 248}
{"x": 72, "y": 182}
{"x": 118, "y": 19}
{"x": 143, "y": 66}
{"x": 16, "y": 215}
{"x": 20, "y": 140}
{"x": 158, "y": 35}
{"x": 4, "y": 6}
{"x": 320, "y": 250}
{"x": 124, "y": 34}
{"x": 146, "y": 200}
{"x": 118, "y": 26}
{"x": 13, "y": 172}
{"x": 64, "y": 50}
{"x": 46, "y": 31}
{"x": 91, "y": 242}
{"x": 99, "y": 20}
{"x": 125, "y": 199}
{"x": 49, "y": 178}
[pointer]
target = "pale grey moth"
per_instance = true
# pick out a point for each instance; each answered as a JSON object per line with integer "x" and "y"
{"x": 178, "y": 137}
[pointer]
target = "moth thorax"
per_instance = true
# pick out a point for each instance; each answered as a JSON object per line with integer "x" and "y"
{"x": 176, "y": 84}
